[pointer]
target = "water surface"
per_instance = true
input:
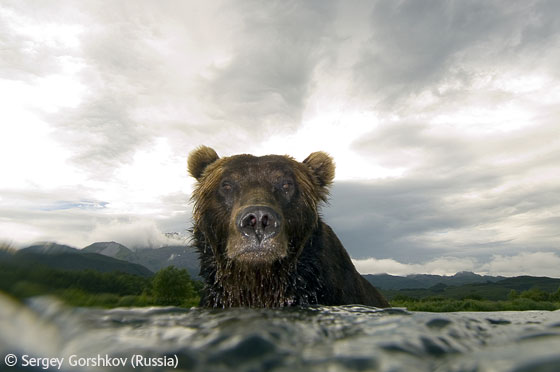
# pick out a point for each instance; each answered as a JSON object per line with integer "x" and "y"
{"x": 323, "y": 338}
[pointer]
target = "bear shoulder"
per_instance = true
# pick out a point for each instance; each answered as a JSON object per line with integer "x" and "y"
{"x": 342, "y": 284}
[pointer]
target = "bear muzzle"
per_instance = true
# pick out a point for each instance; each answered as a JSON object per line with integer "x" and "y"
{"x": 257, "y": 236}
{"x": 258, "y": 222}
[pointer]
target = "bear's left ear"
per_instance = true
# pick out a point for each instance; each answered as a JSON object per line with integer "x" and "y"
{"x": 199, "y": 159}
{"x": 322, "y": 165}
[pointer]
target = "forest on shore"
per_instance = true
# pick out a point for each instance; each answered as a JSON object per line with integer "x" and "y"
{"x": 510, "y": 294}
{"x": 170, "y": 286}
{"x": 28, "y": 275}
{"x": 174, "y": 287}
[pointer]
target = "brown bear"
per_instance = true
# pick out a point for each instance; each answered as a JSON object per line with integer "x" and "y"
{"x": 260, "y": 237}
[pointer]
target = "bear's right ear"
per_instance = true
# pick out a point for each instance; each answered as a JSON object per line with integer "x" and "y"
{"x": 322, "y": 166}
{"x": 199, "y": 159}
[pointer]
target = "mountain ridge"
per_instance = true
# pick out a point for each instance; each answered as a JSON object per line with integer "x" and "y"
{"x": 180, "y": 256}
{"x": 186, "y": 257}
{"x": 111, "y": 249}
{"x": 152, "y": 259}
{"x": 424, "y": 281}
{"x": 63, "y": 257}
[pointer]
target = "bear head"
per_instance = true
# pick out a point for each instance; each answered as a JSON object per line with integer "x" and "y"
{"x": 253, "y": 213}
{"x": 258, "y": 209}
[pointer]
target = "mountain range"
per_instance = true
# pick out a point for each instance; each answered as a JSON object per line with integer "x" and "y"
{"x": 105, "y": 257}
{"x": 67, "y": 258}
{"x": 495, "y": 291}
{"x": 418, "y": 281}
{"x": 112, "y": 256}
{"x": 180, "y": 256}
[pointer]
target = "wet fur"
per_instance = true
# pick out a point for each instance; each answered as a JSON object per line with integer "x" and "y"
{"x": 231, "y": 284}
{"x": 317, "y": 269}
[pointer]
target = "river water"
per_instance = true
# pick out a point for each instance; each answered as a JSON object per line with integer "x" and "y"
{"x": 339, "y": 338}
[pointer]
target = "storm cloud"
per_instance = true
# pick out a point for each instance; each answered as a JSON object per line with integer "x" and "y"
{"x": 442, "y": 117}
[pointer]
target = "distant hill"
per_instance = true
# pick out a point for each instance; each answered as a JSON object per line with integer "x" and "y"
{"x": 68, "y": 258}
{"x": 386, "y": 281}
{"x": 463, "y": 277}
{"x": 109, "y": 256}
{"x": 183, "y": 257}
{"x": 523, "y": 283}
{"x": 111, "y": 249}
{"x": 49, "y": 248}
{"x": 495, "y": 291}
{"x": 419, "y": 281}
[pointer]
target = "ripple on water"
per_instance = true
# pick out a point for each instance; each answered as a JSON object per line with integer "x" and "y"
{"x": 339, "y": 338}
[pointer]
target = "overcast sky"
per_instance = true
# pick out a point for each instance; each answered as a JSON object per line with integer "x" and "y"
{"x": 442, "y": 117}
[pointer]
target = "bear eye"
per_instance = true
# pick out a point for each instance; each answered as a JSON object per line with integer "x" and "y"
{"x": 287, "y": 187}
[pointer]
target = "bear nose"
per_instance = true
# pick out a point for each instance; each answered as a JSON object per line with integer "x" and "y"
{"x": 258, "y": 221}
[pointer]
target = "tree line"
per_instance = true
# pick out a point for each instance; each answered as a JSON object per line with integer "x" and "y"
{"x": 531, "y": 299}
{"x": 170, "y": 286}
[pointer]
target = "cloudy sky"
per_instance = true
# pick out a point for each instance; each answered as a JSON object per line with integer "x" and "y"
{"x": 442, "y": 117}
